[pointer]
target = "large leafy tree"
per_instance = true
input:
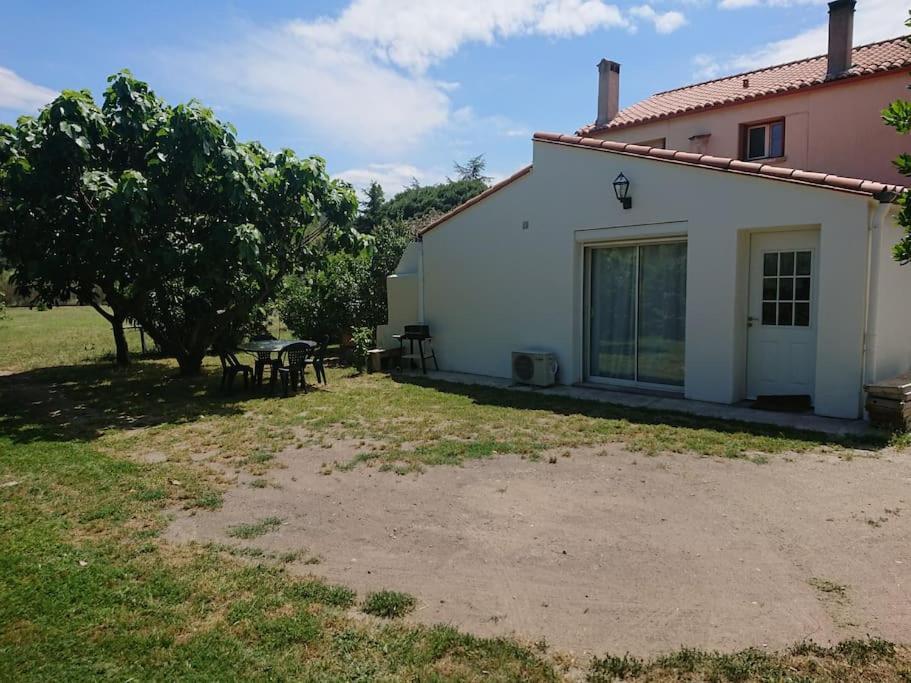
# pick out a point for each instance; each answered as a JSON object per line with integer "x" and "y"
{"x": 160, "y": 214}
{"x": 898, "y": 116}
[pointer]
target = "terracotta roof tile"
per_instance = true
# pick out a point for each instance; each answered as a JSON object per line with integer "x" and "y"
{"x": 881, "y": 57}
{"x": 832, "y": 182}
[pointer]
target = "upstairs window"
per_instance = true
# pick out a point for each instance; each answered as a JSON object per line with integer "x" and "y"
{"x": 763, "y": 140}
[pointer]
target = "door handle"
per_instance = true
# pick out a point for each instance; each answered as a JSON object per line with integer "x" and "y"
{"x": 751, "y": 320}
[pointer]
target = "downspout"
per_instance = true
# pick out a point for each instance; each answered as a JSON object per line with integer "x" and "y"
{"x": 420, "y": 244}
{"x": 878, "y": 217}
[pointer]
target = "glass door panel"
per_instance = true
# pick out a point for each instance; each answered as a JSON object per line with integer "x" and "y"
{"x": 612, "y": 344}
{"x": 662, "y": 313}
{"x": 638, "y": 313}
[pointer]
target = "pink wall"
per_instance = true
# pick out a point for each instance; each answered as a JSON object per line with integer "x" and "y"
{"x": 833, "y": 129}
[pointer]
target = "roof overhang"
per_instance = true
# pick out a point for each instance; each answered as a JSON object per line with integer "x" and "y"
{"x": 881, "y": 192}
{"x": 826, "y": 181}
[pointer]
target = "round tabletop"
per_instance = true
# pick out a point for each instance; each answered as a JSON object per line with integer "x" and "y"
{"x": 272, "y": 345}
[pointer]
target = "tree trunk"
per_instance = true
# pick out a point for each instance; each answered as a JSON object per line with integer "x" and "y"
{"x": 190, "y": 363}
{"x": 120, "y": 342}
{"x": 120, "y": 339}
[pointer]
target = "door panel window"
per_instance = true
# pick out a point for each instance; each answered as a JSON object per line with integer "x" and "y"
{"x": 613, "y": 315}
{"x": 786, "y": 277}
{"x": 662, "y": 313}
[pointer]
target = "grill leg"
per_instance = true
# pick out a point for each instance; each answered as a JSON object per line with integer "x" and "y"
{"x": 421, "y": 351}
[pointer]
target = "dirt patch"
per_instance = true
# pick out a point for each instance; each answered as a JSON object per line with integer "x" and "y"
{"x": 153, "y": 457}
{"x": 604, "y": 550}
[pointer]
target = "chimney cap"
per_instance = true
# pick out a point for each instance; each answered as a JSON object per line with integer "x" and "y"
{"x": 605, "y": 64}
{"x": 837, "y": 5}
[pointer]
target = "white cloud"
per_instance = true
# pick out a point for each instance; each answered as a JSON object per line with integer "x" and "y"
{"x": 393, "y": 177}
{"x": 332, "y": 90}
{"x": 415, "y": 34}
{"x": 20, "y": 95}
{"x": 706, "y": 67}
{"x": 578, "y": 17}
{"x": 739, "y": 4}
{"x": 874, "y": 20}
{"x": 362, "y": 76}
{"x": 664, "y": 22}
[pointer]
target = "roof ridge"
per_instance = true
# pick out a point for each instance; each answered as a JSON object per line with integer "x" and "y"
{"x": 776, "y": 66}
{"x": 826, "y": 180}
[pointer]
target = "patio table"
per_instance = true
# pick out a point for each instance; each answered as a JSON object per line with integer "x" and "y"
{"x": 273, "y": 345}
{"x": 268, "y": 347}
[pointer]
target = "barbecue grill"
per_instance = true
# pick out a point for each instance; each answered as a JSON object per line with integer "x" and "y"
{"x": 421, "y": 335}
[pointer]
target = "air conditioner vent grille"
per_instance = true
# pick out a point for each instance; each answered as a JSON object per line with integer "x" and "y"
{"x": 523, "y": 367}
{"x": 538, "y": 368}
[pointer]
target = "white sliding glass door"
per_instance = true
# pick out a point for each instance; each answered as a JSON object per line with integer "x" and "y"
{"x": 637, "y": 300}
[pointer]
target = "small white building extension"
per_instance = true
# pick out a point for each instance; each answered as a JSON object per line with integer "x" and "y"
{"x": 723, "y": 281}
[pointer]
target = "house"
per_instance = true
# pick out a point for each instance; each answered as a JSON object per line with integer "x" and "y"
{"x": 725, "y": 275}
{"x": 820, "y": 114}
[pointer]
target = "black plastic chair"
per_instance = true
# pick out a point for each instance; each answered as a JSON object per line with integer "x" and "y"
{"x": 230, "y": 368}
{"x": 265, "y": 360}
{"x": 318, "y": 360}
{"x": 295, "y": 368}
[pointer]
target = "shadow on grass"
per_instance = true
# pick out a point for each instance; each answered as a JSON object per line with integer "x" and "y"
{"x": 561, "y": 405}
{"x": 81, "y": 402}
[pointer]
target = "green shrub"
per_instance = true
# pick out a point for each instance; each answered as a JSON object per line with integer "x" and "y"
{"x": 328, "y": 302}
{"x": 362, "y": 341}
{"x": 347, "y": 291}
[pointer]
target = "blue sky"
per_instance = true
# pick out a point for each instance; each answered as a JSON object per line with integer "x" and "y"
{"x": 394, "y": 89}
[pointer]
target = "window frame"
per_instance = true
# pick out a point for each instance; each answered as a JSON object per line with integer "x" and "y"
{"x": 766, "y": 125}
{"x": 587, "y": 301}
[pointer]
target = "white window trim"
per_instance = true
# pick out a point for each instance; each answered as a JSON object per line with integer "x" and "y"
{"x": 767, "y": 151}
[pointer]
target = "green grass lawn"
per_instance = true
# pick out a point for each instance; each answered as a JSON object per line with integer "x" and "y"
{"x": 89, "y": 591}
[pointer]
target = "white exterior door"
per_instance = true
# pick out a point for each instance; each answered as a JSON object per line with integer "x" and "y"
{"x": 781, "y": 340}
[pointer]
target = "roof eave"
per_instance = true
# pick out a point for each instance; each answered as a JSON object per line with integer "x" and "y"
{"x": 827, "y": 181}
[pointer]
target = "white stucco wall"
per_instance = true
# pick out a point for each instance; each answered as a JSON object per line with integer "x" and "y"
{"x": 402, "y": 297}
{"x": 889, "y": 339}
{"x": 491, "y": 287}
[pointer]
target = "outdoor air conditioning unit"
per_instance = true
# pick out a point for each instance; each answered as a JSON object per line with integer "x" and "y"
{"x": 538, "y": 368}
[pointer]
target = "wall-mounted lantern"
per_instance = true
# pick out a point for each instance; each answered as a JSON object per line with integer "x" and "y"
{"x": 621, "y": 189}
